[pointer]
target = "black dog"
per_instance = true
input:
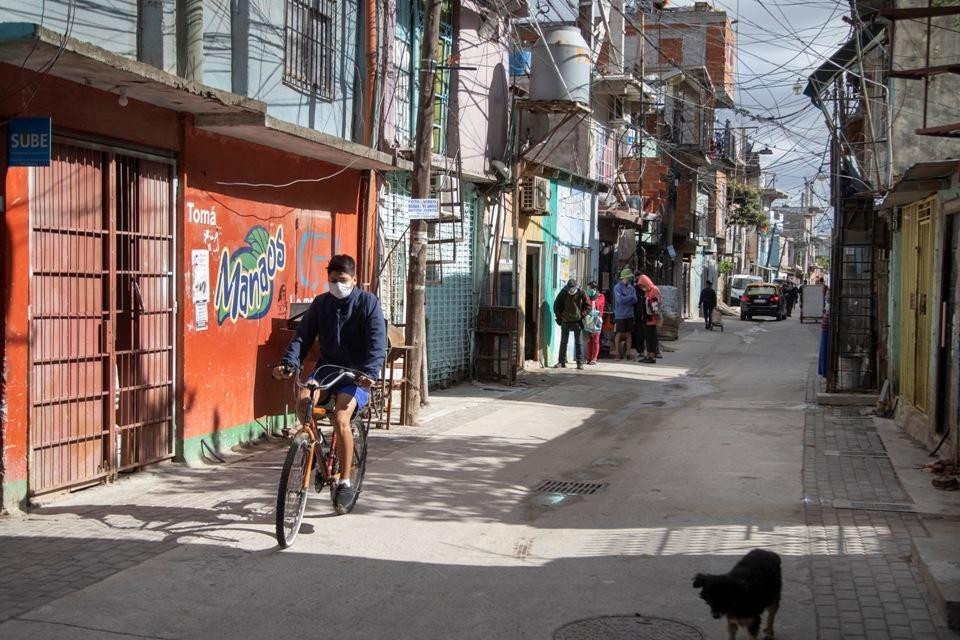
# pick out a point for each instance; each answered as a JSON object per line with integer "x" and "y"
{"x": 752, "y": 586}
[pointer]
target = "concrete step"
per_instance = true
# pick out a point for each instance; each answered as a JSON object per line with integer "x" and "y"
{"x": 938, "y": 560}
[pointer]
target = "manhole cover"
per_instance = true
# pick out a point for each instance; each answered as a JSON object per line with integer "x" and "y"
{"x": 627, "y": 628}
{"x": 570, "y": 488}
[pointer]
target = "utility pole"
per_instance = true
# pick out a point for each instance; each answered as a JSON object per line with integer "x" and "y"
{"x": 422, "y": 156}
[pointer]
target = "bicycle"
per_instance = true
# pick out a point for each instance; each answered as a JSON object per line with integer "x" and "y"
{"x": 311, "y": 453}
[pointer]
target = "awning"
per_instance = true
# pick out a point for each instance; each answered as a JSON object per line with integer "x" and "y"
{"x": 920, "y": 181}
{"x": 845, "y": 56}
{"x": 44, "y": 51}
{"x": 268, "y": 131}
{"x": 37, "y": 48}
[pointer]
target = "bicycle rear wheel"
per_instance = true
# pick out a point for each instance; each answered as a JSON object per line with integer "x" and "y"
{"x": 292, "y": 494}
{"x": 359, "y": 430}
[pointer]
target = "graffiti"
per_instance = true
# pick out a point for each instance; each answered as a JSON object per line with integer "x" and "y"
{"x": 245, "y": 279}
{"x": 197, "y": 215}
{"x": 211, "y": 239}
{"x": 309, "y": 260}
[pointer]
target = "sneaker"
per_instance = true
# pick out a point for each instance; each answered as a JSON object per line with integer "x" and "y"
{"x": 560, "y": 365}
{"x": 346, "y": 498}
{"x": 579, "y": 365}
{"x": 649, "y": 360}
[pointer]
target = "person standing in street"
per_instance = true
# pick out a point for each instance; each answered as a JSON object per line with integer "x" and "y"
{"x": 639, "y": 320}
{"x": 708, "y": 302}
{"x": 791, "y": 293}
{"x": 569, "y": 308}
{"x": 598, "y": 302}
{"x": 624, "y": 307}
{"x": 652, "y": 301}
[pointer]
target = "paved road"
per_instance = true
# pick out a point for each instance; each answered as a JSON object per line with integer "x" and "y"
{"x": 701, "y": 458}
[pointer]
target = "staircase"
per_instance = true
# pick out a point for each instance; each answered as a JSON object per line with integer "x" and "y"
{"x": 446, "y": 233}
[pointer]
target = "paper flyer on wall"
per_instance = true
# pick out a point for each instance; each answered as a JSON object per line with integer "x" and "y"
{"x": 200, "y": 260}
{"x": 200, "y": 316}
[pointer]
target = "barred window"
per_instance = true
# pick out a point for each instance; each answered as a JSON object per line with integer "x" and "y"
{"x": 308, "y": 46}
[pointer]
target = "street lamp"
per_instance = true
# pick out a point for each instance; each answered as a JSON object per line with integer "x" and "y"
{"x": 798, "y": 87}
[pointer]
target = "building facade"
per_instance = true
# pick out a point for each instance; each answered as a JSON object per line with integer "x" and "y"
{"x": 202, "y": 172}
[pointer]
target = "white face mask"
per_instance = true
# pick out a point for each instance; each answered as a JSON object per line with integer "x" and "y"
{"x": 340, "y": 290}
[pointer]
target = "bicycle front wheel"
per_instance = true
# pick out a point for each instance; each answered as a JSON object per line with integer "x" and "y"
{"x": 292, "y": 492}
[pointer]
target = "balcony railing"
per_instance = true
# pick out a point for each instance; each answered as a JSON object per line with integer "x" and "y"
{"x": 724, "y": 145}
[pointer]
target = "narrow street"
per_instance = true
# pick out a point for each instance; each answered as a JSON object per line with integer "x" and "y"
{"x": 702, "y": 457}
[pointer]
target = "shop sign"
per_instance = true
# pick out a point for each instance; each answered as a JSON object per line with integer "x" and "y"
{"x": 423, "y": 208}
{"x": 29, "y": 142}
{"x": 246, "y": 277}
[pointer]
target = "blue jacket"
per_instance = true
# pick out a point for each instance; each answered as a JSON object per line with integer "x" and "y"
{"x": 351, "y": 332}
{"x": 624, "y": 301}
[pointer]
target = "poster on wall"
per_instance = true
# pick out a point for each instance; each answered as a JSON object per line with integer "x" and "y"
{"x": 200, "y": 269}
{"x": 201, "y": 316}
{"x": 200, "y": 261}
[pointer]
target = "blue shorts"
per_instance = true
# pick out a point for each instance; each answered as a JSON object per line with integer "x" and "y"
{"x": 361, "y": 395}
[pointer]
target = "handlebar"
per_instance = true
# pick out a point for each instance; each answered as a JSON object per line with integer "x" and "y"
{"x": 340, "y": 374}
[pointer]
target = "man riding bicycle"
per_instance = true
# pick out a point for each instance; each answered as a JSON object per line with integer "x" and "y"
{"x": 350, "y": 329}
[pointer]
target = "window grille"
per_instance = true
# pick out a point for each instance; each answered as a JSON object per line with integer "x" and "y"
{"x": 308, "y": 46}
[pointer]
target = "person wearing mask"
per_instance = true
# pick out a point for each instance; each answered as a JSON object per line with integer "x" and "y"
{"x": 624, "y": 309}
{"x": 708, "y": 302}
{"x": 598, "y": 302}
{"x": 569, "y": 308}
{"x": 652, "y": 302}
{"x": 349, "y": 327}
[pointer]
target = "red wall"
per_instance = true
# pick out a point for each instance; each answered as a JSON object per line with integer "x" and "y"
{"x": 16, "y": 267}
{"x": 223, "y": 381}
{"x": 225, "y": 377}
{"x": 75, "y": 108}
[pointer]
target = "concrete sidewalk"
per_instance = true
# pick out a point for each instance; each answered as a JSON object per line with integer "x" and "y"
{"x": 697, "y": 459}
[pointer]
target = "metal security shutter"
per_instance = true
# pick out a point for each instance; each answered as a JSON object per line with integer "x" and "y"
{"x": 101, "y": 315}
{"x": 70, "y": 388}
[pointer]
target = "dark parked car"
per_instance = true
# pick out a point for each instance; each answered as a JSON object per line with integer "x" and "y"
{"x": 763, "y": 299}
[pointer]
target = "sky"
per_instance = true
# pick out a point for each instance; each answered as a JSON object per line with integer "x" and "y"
{"x": 779, "y": 43}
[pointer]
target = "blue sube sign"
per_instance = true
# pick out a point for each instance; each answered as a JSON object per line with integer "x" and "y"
{"x": 29, "y": 142}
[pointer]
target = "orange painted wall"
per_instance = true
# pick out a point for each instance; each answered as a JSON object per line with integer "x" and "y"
{"x": 225, "y": 377}
{"x": 92, "y": 112}
{"x": 14, "y": 291}
{"x": 222, "y": 381}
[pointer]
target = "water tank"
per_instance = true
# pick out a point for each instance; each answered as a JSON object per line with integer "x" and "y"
{"x": 560, "y": 69}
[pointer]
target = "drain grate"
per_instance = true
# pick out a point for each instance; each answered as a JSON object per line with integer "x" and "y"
{"x": 861, "y": 505}
{"x": 570, "y": 488}
{"x": 634, "y": 627}
{"x": 855, "y": 453}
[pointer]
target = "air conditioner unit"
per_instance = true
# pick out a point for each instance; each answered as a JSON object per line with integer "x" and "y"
{"x": 535, "y": 196}
{"x": 710, "y": 245}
